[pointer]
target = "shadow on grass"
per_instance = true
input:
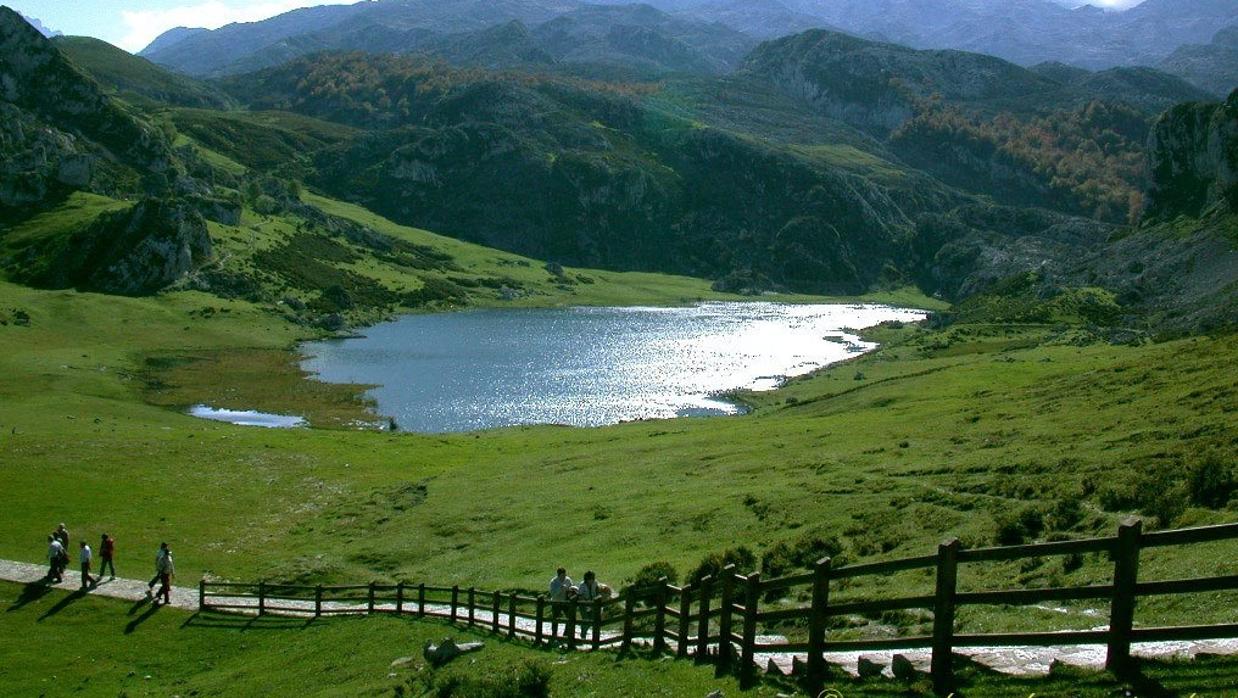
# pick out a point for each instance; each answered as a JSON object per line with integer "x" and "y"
{"x": 29, "y": 594}
{"x": 62, "y": 604}
{"x": 133, "y": 624}
{"x": 246, "y": 623}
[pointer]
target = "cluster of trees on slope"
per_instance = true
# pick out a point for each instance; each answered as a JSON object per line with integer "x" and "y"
{"x": 1058, "y": 137}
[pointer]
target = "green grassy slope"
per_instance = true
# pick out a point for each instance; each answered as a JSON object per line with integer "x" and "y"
{"x": 943, "y": 435}
{"x": 136, "y": 79}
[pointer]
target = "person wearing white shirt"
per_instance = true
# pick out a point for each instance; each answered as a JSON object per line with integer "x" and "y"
{"x": 560, "y": 585}
{"x": 55, "y": 552}
{"x": 86, "y": 557}
{"x": 167, "y": 570}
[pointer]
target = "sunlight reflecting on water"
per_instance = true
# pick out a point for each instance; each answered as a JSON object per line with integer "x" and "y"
{"x": 588, "y": 366}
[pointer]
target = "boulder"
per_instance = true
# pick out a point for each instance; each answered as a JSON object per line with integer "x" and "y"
{"x": 903, "y": 669}
{"x": 868, "y": 668}
{"x": 447, "y": 650}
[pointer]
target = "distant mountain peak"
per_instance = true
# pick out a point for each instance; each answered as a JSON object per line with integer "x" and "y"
{"x": 170, "y": 38}
{"x": 39, "y": 26}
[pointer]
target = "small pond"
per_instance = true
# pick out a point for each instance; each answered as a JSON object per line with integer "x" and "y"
{"x": 247, "y": 418}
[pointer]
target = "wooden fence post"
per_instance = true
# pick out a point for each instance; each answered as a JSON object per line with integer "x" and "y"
{"x": 748, "y": 648}
{"x": 541, "y": 614}
{"x": 724, "y": 621}
{"x": 629, "y": 607}
{"x": 318, "y": 601}
{"x": 659, "y": 619}
{"x": 421, "y": 599}
{"x": 685, "y": 620}
{"x": 1122, "y": 607}
{"x": 571, "y": 623}
{"x": 597, "y": 625}
{"x": 399, "y": 598}
{"x": 262, "y": 598}
{"x": 202, "y": 595}
{"x": 455, "y": 600}
{"x": 369, "y": 605}
{"x": 702, "y": 618}
{"x": 943, "y": 616}
{"x": 816, "y": 625}
{"x": 494, "y": 613}
{"x": 511, "y": 616}
{"x": 472, "y": 604}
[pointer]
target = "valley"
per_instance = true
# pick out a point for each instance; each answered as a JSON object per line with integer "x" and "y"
{"x": 175, "y": 238}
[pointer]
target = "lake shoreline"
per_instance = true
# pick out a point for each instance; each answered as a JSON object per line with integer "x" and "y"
{"x": 322, "y": 362}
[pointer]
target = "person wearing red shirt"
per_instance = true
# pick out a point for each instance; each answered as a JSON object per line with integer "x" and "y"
{"x": 107, "y": 548}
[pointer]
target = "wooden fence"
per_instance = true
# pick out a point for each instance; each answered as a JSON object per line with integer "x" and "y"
{"x": 717, "y": 620}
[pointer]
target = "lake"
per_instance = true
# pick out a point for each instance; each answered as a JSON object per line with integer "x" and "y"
{"x": 588, "y": 366}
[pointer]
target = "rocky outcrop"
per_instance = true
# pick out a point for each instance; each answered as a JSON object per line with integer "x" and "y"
{"x": 135, "y": 252}
{"x": 972, "y": 248}
{"x": 1193, "y": 160}
{"x": 60, "y": 131}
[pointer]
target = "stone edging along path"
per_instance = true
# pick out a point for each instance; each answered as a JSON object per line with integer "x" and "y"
{"x": 1010, "y": 660}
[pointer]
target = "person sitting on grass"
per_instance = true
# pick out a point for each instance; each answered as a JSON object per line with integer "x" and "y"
{"x": 55, "y": 551}
{"x": 85, "y": 558}
{"x": 107, "y": 548}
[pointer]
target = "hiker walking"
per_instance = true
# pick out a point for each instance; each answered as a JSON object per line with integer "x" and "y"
{"x": 107, "y": 548}
{"x": 85, "y": 558}
{"x": 166, "y": 572}
{"x": 62, "y": 535}
{"x": 55, "y": 553}
{"x": 560, "y": 585}
{"x": 159, "y": 555}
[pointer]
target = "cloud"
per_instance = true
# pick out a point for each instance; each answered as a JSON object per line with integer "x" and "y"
{"x": 142, "y": 26}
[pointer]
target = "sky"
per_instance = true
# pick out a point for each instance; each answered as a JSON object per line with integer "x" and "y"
{"x": 132, "y": 24}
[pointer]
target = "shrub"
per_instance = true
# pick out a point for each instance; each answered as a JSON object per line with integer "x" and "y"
{"x": 712, "y": 564}
{"x": 527, "y": 679}
{"x": 1015, "y": 527}
{"x": 1211, "y": 481}
{"x": 1157, "y": 492}
{"x": 800, "y": 554}
{"x": 1065, "y": 514}
{"x": 649, "y": 575}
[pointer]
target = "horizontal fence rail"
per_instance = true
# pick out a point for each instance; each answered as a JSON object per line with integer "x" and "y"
{"x": 719, "y": 618}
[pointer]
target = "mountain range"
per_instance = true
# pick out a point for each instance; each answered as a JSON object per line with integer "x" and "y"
{"x": 822, "y": 162}
{"x": 707, "y": 36}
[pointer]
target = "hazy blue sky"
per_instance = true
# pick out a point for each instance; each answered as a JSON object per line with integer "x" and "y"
{"x": 132, "y": 24}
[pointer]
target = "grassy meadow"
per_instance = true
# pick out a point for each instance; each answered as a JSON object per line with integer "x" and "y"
{"x": 992, "y": 433}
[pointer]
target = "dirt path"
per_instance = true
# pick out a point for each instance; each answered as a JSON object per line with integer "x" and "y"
{"x": 1010, "y": 660}
{"x": 126, "y": 589}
